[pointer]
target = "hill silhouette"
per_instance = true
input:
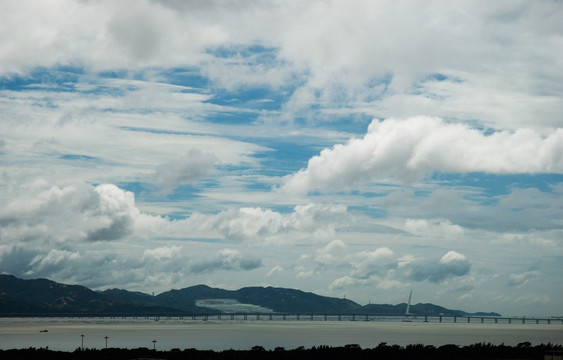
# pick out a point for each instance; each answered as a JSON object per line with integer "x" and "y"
{"x": 42, "y": 296}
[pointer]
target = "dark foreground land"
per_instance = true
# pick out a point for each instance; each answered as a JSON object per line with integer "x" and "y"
{"x": 522, "y": 351}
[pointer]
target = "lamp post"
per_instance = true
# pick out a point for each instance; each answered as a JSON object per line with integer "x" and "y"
{"x": 154, "y": 344}
{"x": 82, "y": 343}
{"x": 105, "y": 337}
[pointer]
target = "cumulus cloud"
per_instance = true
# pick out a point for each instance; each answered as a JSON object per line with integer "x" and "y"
{"x": 368, "y": 263}
{"x": 331, "y": 253}
{"x": 314, "y": 221}
{"x": 435, "y": 227}
{"x": 415, "y": 147}
{"x": 116, "y": 212}
{"x": 108, "y": 264}
{"x": 227, "y": 259}
{"x": 450, "y": 265}
{"x": 382, "y": 269}
{"x": 103, "y": 212}
{"x": 68, "y": 265}
{"x": 362, "y": 267}
{"x": 76, "y": 213}
{"x": 162, "y": 253}
{"x": 53, "y": 261}
{"x": 196, "y": 165}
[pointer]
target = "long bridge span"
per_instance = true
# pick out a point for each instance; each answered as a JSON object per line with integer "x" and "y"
{"x": 305, "y": 317}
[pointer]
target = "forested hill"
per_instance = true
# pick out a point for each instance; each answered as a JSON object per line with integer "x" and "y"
{"x": 42, "y": 296}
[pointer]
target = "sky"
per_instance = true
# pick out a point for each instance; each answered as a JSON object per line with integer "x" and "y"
{"x": 357, "y": 149}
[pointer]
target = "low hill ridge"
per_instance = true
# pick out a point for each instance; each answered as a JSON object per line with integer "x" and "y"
{"x": 42, "y": 296}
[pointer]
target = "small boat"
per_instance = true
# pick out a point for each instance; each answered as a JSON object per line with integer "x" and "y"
{"x": 43, "y": 330}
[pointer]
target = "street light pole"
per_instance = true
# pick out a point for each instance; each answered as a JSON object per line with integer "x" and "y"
{"x": 105, "y": 337}
{"x": 82, "y": 343}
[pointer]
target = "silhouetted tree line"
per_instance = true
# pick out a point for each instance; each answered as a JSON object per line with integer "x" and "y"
{"x": 522, "y": 351}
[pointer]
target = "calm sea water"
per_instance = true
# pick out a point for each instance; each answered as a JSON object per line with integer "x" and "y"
{"x": 64, "y": 334}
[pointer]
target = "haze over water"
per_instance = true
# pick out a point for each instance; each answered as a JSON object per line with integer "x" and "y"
{"x": 64, "y": 334}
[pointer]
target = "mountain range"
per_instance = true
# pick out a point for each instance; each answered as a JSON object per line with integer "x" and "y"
{"x": 36, "y": 297}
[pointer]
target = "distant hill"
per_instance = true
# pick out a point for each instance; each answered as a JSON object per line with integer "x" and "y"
{"x": 419, "y": 309}
{"x": 279, "y": 300}
{"x": 42, "y": 296}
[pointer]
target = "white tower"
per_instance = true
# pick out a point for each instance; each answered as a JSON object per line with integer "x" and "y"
{"x": 406, "y": 318}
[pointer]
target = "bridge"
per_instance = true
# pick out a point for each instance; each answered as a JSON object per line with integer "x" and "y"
{"x": 305, "y": 317}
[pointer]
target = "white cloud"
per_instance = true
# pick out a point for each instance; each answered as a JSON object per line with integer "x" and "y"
{"x": 226, "y": 259}
{"x": 138, "y": 31}
{"x": 188, "y": 169}
{"x": 368, "y": 263}
{"x": 305, "y": 274}
{"x": 120, "y": 130}
{"x": 155, "y": 95}
{"x": 53, "y": 261}
{"x": 500, "y": 61}
{"x": 275, "y": 270}
{"x": 435, "y": 227}
{"x": 450, "y": 265}
{"x": 72, "y": 213}
{"x": 312, "y": 222}
{"x": 523, "y": 278}
{"x": 452, "y": 257}
{"x": 382, "y": 269}
{"x": 331, "y": 253}
{"x": 345, "y": 282}
{"x": 105, "y": 212}
{"x": 412, "y": 148}
{"x": 116, "y": 213}
{"x": 160, "y": 253}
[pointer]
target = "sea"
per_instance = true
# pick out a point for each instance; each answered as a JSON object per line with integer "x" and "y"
{"x": 68, "y": 334}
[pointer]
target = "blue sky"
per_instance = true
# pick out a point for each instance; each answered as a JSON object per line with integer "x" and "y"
{"x": 358, "y": 149}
